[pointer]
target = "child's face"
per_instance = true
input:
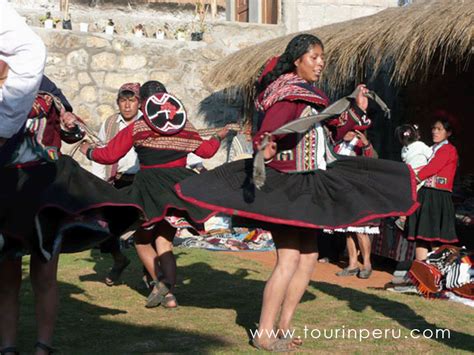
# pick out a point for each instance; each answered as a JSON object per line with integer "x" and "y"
{"x": 349, "y": 136}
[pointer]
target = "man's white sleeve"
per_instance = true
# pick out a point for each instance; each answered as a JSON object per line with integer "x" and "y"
{"x": 25, "y": 54}
{"x": 97, "y": 169}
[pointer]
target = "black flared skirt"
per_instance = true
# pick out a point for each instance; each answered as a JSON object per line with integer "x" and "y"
{"x": 53, "y": 207}
{"x": 434, "y": 221}
{"x": 352, "y": 191}
{"x": 153, "y": 190}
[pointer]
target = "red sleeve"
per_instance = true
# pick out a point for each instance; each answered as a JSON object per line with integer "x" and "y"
{"x": 366, "y": 150}
{"x": 208, "y": 148}
{"x": 347, "y": 121}
{"x": 116, "y": 149}
{"x": 442, "y": 157}
{"x": 276, "y": 116}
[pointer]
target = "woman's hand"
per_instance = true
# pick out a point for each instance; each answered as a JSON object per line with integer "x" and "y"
{"x": 222, "y": 133}
{"x": 85, "y": 145}
{"x": 362, "y": 137}
{"x": 68, "y": 119}
{"x": 271, "y": 148}
{"x": 361, "y": 100}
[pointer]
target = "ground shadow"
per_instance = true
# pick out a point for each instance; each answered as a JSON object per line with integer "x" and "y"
{"x": 205, "y": 287}
{"x": 85, "y": 328}
{"x": 358, "y": 301}
{"x": 200, "y": 285}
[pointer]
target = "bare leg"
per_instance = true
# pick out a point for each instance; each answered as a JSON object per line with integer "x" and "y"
{"x": 45, "y": 287}
{"x": 352, "y": 251}
{"x": 10, "y": 282}
{"x": 300, "y": 280}
{"x": 365, "y": 249}
{"x": 146, "y": 252}
{"x": 288, "y": 258}
{"x": 422, "y": 249}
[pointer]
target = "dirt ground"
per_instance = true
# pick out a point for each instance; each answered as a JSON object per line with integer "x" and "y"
{"x": 325, "y": 272}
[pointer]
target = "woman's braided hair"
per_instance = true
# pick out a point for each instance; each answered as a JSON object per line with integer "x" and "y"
{"x": 298, "y": 46}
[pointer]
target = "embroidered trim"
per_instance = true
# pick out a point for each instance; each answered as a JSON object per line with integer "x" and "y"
{"x": 187, "y": 140}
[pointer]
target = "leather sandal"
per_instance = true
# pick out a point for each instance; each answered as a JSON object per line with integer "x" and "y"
{"x": 169, "y": 299}
{"x": 157, "y": 295}
{"x": 45, "y": 347}
{"x": 348, "y": 272}
{"x": 284, "y": 335}
{"x": 9, "y": 350}
{"x": 277, "y": 346}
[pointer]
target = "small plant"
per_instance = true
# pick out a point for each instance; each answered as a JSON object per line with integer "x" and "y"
{"x": 180, "y": 33}
{"x": 110, "y": 27}
{"x": 201, "y": 10}
{"x": 201, "y": 13}
{"x": 139, "y": 31}
{"x": 48, "y": 19}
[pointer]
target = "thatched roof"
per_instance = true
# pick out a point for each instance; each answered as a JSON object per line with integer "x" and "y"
{"x": 409, "y": 39}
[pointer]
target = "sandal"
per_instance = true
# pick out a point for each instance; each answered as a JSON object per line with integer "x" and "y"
{"x": 9, "y": 350}
{"x": 45, "y": 347}
{"x": 116, "y": 272}
{"x": 348, "y": 272}
{"x": 157, "y": 295}
{"x": 169, "y": 299}
{"x": 277, "y": 346}
{"x": 297, "y": 341}
{"x": 364, "y": 274}
{"x": 323, "y": 260}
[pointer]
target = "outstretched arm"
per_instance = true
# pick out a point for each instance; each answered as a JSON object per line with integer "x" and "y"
{"x": 209, "y": 148}
{"x": 115, "y": 150}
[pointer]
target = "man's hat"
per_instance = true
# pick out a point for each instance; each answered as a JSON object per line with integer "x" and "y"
{"x": 164, "y": 113}
{"x": 130, "y": 87}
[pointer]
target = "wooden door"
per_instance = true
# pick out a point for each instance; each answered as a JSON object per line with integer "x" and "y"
{"x": 242, "y": 10}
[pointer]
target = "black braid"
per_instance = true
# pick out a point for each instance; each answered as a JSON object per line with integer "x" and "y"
{"x": 298, "y": 46}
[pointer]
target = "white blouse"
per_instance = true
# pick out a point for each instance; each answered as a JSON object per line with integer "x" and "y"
{"x": 25, "y": 54}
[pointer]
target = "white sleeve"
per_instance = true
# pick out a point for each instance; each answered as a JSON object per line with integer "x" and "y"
{"x": 25, "y": 54}
{"x": 97, "y": 169}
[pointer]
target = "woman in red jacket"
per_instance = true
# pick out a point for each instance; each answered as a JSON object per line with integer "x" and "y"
{"x": 434, "y": 221}
{"x": 162, "y": 138}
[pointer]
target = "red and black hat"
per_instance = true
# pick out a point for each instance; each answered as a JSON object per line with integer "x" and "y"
{"x": 164, "y": 113}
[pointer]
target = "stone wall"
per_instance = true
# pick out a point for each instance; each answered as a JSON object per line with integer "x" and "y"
{"x": 90, "y": 68}
{"x": 301, "y": 15}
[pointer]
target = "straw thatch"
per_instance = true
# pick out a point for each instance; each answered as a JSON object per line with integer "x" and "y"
{"x": 405, "y": 40}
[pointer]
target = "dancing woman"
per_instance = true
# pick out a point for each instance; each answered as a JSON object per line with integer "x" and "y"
{"x": 304, "y": 187}
{"x": 162, "y": 138}
{"x": 48, "y": 205}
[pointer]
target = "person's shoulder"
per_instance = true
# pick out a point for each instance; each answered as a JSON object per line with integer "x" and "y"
{"x": 448, "y": 147}
{"x": 451, "y": 148}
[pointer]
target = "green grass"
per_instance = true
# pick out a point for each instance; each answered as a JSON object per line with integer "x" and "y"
{"x": 219, "y": 297}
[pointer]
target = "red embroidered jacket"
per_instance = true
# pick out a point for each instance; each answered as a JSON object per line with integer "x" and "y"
{"x": 440, "y": 170}
{"x": 283, "y": 112}
{"x": 155, "y": 150}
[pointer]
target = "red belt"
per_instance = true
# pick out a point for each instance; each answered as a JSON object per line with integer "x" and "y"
{"x": 180, "y": 163}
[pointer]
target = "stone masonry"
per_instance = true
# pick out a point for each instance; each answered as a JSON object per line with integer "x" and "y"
{"x": 90, "y": 68}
